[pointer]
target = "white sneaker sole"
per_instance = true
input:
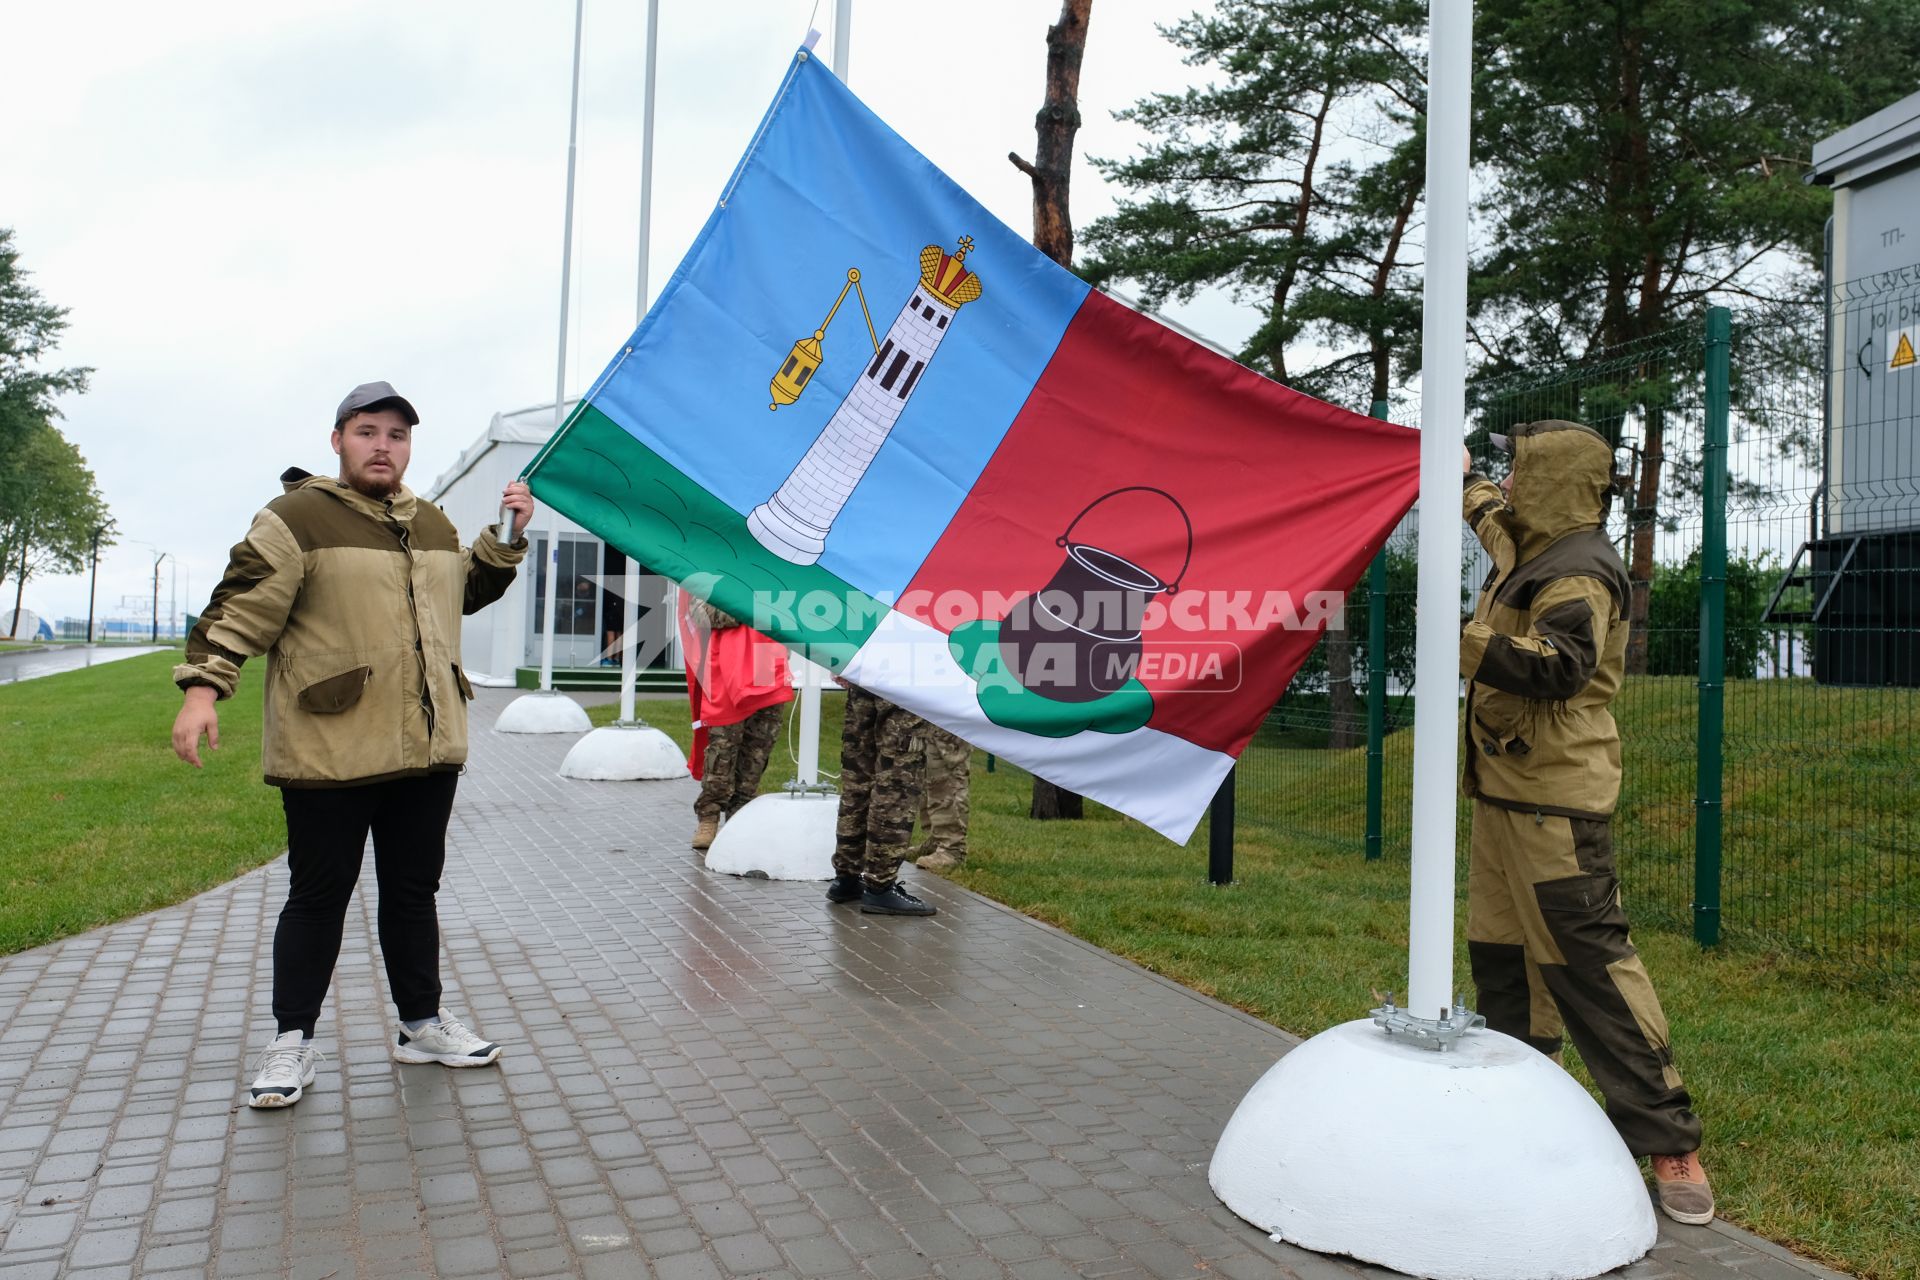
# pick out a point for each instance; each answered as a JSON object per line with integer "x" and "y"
{"x": 1690, "y": 1219}
{"x": 273, "y": 1101}
{"x": 414, "y": 1057}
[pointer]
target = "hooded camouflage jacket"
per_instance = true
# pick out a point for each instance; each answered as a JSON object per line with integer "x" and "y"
{"x": 356, "y": 602}
{"x": 1546, "y": 649}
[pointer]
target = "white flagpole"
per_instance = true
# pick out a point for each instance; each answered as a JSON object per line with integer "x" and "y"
{"x": 1436, "y": 738}
{"x": 807, "y": 768}
{"x": 560, "y": 372}
{"x": 842, "y": 37}
{"x": 630, "y": 603}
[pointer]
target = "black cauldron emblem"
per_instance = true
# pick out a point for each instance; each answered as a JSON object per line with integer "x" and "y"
{"x": 1078, "y": 638}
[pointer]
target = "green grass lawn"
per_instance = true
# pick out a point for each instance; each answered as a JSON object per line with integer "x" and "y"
{"x": 102, "y": 821}
{"x": 1807, "y": 1085}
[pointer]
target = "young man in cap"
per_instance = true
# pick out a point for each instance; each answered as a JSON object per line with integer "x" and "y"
{"x": 354, "y": 589}
{"x": 1546, "y": 934}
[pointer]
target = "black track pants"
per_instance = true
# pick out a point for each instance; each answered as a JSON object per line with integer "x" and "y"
{"x": 327, "y": 832}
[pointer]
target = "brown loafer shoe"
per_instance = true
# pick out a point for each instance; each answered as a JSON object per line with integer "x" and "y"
{"x": 1683, "y": 1190}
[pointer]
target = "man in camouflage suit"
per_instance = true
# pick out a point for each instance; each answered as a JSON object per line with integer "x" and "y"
{"x": 737, "y": 753}
{"x": 1546, "y": 933}
{"x": 945, "y": 803}
{"x": 881, "y": 757}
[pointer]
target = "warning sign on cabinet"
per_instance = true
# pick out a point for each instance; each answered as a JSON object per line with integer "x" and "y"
{"x": 1900, "y": 343}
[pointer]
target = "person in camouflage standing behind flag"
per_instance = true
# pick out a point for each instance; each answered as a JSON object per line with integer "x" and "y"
{"x": 737, "y": 756}
{"x": 944, "y": 803}
{"x": 741, "y": 688}
{"x": 881, "y": 756}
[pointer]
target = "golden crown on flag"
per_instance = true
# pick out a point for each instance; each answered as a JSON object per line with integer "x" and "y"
{"x": 945, "y": 276}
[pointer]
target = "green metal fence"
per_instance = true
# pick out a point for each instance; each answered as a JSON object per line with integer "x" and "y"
{"x": 1771, "y": 526}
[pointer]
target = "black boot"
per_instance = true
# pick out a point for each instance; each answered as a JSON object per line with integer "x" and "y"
{"x": 845, "y": 889}
{"x": 894, "y": 901}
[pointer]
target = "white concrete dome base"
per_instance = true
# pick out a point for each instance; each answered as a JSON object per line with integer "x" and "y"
{"x": 1485, "y": 1162}
{"x": 779, "y": 836}
{"x": 543, "y": 712}
{"x": 625, "y": 753}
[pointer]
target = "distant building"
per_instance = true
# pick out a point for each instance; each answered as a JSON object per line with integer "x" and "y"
{"x": 507, "y": 635}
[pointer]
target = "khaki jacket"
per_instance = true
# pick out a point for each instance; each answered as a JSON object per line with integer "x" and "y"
{"x": 356, "y": 602}
{"x": 1546, "y": 650}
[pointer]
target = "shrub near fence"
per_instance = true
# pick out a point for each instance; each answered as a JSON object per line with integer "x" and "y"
{"x": 1814, "y": 739}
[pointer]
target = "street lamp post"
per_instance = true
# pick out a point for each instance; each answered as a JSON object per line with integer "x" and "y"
{"x": 93, "y": 582}
{"x": 156, "y": 595}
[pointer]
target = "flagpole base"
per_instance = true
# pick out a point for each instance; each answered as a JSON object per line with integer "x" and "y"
{"x": 543, "y": 712}
{"x": 627, "y": 752}
{"x": 779, "y": 533}
{"x": 780, "y": 836}
{"x": 1486, "y": 1162}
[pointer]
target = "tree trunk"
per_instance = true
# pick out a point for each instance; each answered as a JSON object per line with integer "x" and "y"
{"x": 1054, "y": 129}
{"x": 1051, "y": 172}
{"x": 19, "y": 589}
{"x": 1051, "y": 802}
{"x": 1645, "y": 518}
{"x": 1343, "y": 716}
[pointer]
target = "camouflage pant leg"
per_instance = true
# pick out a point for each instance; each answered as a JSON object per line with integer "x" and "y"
{"x": 880, "y": 763}
{"x": 736, "y": 756}
{"x": 717, "y": 770}
{"x": 945, "y": 807}
{"x": 1547, "y": 937}
{"x": 759, "y": 732}
{"x": 857, "y": 758}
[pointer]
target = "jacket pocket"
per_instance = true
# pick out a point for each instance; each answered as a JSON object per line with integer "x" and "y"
{"x": 1502, "y": 722}
{"x": 336, "y": 693}
{"x": 460, "y": 678}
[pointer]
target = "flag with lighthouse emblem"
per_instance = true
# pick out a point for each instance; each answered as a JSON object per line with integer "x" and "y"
{"x": 875, "y": 423}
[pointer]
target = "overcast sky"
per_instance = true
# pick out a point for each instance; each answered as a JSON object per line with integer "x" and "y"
{"x": 248, "y": 208}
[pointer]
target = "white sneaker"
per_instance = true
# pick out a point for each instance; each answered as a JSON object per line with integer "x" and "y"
{"x": 286, "y": 1071}
{"x": 445, "y": 1042}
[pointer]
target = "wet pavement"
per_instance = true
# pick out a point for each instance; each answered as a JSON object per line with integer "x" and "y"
{"x": 29, "y": 664}
{"x": 704, "y": 1077}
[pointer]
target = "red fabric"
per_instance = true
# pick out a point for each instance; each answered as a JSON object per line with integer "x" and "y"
{"x": 1105, "y": 415}
{"x": 731, "y": 673}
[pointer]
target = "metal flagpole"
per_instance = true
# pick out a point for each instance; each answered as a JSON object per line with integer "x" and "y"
{"x": 630, "y": 603}
{"x": 807, "y": 768}
{"x": 842, "y": 37}
{"x": 1442, "y": 428}
{"x": 560, "y": 372}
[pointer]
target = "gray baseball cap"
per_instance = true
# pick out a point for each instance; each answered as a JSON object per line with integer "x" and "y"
{"x": 371, "y": 395}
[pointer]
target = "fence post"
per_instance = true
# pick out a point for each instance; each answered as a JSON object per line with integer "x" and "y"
{"x": 1708, "y": 812}
{"x": 1376, "y": 687}
{"x": 1220, "y": 831}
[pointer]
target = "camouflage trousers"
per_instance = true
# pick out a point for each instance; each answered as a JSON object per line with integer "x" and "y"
{"x": 880, "y": 763}
{"x": 1548, "y": 941}
{"x": 946, "y": 803}
{"x": 737, "y": 755}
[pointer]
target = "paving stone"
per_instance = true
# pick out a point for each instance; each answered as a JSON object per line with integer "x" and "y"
{"x": 705, "y": 1077}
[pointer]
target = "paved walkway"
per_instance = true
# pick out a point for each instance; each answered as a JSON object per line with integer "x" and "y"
{"x": 706, "y": 1077}
{"x": 48, "y": 660}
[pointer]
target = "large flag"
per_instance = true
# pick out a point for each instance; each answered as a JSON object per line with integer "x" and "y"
{"x": 877, "y": 424}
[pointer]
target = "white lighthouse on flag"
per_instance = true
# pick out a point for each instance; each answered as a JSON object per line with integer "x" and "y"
{"x": 795, "y": 521}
